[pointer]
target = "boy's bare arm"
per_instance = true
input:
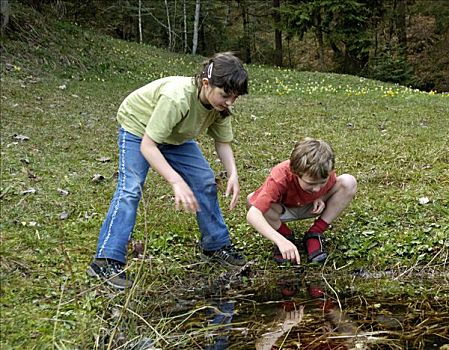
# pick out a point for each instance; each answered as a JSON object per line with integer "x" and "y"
{"x": 256, "y": 219}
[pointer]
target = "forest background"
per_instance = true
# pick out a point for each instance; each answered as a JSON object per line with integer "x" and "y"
{"x": 399, "y": 41}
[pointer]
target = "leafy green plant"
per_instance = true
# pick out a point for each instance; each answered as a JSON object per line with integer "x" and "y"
{"x": 386, "y": 67}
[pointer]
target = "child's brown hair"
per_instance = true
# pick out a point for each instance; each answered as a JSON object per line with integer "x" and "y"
{"x": 312, "y": 157}
{"x": 225, "y": 70}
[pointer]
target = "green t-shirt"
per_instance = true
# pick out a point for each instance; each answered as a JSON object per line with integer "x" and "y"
{"x": 169, "y": 111}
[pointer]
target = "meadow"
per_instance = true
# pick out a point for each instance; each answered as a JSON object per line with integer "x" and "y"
{"x": 59, "y": 159}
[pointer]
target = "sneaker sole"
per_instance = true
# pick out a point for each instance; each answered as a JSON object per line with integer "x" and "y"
{"x": 206, "y": 258}
{"x": 91, "y": 272}
{"x": 280, "y": 260}
{"x": 320, "y": 259}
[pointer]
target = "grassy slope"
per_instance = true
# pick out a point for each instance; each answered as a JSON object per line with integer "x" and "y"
{"x": 62, "y": 91}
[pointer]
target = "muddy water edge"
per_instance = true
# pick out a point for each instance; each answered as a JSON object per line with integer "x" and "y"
{"x": 302, "y": 308}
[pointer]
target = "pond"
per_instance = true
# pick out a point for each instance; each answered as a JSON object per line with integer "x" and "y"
{"x": 303, "y": 309}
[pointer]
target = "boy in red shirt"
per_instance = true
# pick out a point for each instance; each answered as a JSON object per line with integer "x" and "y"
{"x": 302, "y": 187}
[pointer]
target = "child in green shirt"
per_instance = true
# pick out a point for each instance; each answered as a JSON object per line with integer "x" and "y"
{"x": 158, "y": 123}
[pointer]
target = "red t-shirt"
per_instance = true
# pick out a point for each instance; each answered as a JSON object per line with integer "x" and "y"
{"x": 282, "y": 186}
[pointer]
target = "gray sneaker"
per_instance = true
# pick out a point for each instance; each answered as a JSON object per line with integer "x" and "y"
{"x": 110, "y": 271}
{"x": 227, "y": 256}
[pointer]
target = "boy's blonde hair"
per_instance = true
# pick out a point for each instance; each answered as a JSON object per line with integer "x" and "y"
{"x": 312, "y": 157}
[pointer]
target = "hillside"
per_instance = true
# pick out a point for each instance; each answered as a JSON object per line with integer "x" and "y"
{"x": 61, "y": 86}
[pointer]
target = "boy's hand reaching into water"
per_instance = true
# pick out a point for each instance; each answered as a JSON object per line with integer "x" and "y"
{"x": 185, "y": 197}
{"x": 289, "y": 251}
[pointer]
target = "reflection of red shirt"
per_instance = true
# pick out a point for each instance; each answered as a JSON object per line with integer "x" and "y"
{"x": 282, "y": 186}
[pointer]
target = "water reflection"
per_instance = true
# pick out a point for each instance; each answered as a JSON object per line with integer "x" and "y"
{"x": 281, "y": 328}
{"x": 291, "y": 312}
{"x": 297, "y": 310}
{"x": 220, "y": 318}
{"x": 286, "y": 320}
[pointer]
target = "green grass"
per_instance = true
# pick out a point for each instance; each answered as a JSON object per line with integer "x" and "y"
{"x": 392, "y": 139}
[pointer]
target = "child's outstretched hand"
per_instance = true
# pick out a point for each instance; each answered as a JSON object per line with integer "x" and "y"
{"x": 289, "y": 251}
{"x": 185, "y": 197}
{"x": 234, "y": 188}
{"x": 183, "y": 194}
{"x": 318, "y": 206}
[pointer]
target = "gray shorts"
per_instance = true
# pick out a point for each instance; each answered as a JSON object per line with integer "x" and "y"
{"x": 297, "y": 213}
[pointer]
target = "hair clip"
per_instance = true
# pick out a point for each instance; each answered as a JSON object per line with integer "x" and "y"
{"x": 209, "y": 70}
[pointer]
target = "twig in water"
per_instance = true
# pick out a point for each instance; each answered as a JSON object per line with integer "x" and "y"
{"x": 408, "y": 270}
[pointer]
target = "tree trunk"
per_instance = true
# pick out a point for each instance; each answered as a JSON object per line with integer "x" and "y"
{"x": 228, "y": 14}
{"x": 376, "y": 36}
{"x": 4, "y": 13}
{"x": 246, "y": 36}
{"x": 173, "y": 29}
{"x": 140, "y": 21}
{"x": 196, "y": 24}
{"x": 289, "y": 53}
{"x": 401, "y": 26}
{"x": 391, "y": 28}
{"x": 319, "y": 38}
{"x": 168, "y": 26}
{"x": 277, "y": 34}
{"x": 185, "y": 26}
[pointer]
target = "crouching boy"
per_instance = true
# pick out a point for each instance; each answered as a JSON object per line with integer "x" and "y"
{"x": 302, "y": 187}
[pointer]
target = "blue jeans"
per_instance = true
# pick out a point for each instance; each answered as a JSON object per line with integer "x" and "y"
{"x": 188, "y": 160}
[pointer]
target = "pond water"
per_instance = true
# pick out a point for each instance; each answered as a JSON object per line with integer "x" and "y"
{"x": 298, "y": 310}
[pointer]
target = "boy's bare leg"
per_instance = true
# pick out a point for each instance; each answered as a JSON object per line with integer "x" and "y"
{"x": 339, "y": 197}
{"x": 273, "y": 215}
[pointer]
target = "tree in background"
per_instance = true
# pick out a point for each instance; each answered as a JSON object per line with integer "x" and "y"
{"x": 428, "y": 43}
{"x": 404, "y": 41}
{"x": 400, "y": 7}
{"x": 4, "y": 13}
{"x": 196, "y": 24}
{"x": 301, "y": 16}
{"x": 246, "y": 45}
{"x": 278, "y": 55}
{"x": 340, "y": 23}
{"x": 388, "y": 58}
